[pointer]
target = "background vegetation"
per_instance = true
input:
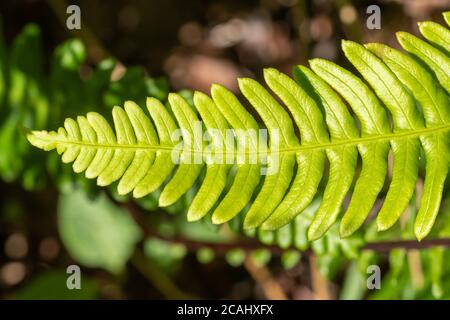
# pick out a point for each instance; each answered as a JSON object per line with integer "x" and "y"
{"x": 127, "y": 50}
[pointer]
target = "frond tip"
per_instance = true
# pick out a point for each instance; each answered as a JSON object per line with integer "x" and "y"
{"x": 142, "y": 152}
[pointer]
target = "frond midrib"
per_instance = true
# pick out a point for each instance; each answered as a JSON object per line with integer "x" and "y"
{"x": 286, "y": 150}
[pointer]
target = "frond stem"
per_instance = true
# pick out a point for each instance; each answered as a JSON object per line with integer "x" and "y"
{"x": 285, "y": 150}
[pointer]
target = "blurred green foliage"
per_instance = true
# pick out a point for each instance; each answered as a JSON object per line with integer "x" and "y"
{"x": 51, "y": 285}
{"x": 33, "y": 98}
{"x": 96, "y": 232}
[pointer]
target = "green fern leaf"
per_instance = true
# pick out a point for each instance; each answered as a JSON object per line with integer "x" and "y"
{"x": 275, "y": 185}
{"x": 436, "y": 109}
{"x": 438, "y": 35}
{"x": 374, "y": 122}
{"x": 342, "y": 159}
{"x": 405, "y": 116}
{"x": 447, "y": 17}
{"x": 309, "y": 120}
{"x": 216, "y": 174}
{"x": 163, "y": 165}
{"x": 247, "y": 174}
{"x": 186, "y": 174}
{"x": 142, "y": 152}
{"x": 431, "y": 56}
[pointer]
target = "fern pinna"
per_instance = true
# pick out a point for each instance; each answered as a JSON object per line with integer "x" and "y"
{"x": 402, "y": 106}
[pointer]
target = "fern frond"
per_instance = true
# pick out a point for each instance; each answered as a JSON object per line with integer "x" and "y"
{"x": 142, "y": 152}
{"x": 447, "y": 17}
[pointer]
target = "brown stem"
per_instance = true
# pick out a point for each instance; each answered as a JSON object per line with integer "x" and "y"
{"x": 159, "y": 279}
{"x": 319, "y": 283}
{"x": 262, "y": 275}
{"x": 386, "y": 246}
{"x": 250, "y": 245}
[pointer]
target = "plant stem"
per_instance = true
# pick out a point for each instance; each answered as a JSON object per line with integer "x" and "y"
{"x": 262, "y": 276}
{"x": 158, "y": 278}
{"x": 319, "y": 284}
{"x": 249, "y": 244}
